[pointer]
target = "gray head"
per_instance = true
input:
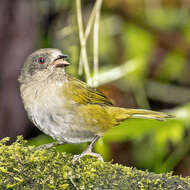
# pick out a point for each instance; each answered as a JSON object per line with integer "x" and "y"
{"x": 40, "y": 61}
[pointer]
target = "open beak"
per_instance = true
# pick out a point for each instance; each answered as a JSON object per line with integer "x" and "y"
{"x": 60, "y": 61}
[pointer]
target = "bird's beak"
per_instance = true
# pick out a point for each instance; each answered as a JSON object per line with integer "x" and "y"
{"x": 60, "y": 61}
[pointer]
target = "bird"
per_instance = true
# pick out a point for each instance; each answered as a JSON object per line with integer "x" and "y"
{"x": 67, "y": 109}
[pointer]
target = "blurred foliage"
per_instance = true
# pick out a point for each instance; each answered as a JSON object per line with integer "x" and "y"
{"x": 167, "y": 18}
{"x": 172, "y": 66}
{"x": 137, "y": 44}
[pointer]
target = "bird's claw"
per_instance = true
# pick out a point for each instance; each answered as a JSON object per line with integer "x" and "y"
{"x": 79, "y": 156}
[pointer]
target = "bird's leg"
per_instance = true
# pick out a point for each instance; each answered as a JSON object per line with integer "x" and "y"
{"x": 49, "y": 145}
{"x": 88, "y": 151}
{"x": 45, "y": 146}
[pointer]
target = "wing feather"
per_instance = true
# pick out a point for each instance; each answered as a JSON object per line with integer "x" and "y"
{"x": 83, "y": 94}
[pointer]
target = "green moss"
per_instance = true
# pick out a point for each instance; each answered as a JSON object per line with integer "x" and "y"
{"x": 24, "y": 167}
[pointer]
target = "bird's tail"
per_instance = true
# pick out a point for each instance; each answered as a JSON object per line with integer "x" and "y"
{"x": 141, "y": 113}
{"x": 148, "y": 114}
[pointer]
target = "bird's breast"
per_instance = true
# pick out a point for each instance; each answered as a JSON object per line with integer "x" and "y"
{"x": 53, "y": 113}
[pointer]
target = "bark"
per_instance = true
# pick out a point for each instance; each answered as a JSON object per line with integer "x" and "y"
{"x": 24, "y": 167}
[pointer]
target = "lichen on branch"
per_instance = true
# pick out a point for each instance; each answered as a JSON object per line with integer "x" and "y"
{"x": 24, "y": 167}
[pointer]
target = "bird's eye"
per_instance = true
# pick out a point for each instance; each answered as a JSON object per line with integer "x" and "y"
{"x": 41, "y": 60}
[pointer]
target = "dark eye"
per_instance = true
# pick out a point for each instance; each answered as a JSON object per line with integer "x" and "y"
{"x": 41, "y": 60}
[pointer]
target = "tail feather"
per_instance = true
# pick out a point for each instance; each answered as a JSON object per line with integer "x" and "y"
{"x": 141, "y": 113}
{"x": 148, "y": 114}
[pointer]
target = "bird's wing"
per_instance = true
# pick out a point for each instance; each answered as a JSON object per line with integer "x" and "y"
{"x": 81, "y": 93}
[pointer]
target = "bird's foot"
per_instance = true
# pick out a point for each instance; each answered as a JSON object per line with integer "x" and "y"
{"x": 45, "y": 146}
{"x": 79, "y": 156}
{"x": 88, "y": 151}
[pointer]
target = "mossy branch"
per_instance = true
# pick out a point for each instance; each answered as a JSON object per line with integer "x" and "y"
{"x": 24, "y": 167}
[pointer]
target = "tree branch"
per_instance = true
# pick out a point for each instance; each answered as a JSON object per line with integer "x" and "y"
{"x": 24, "y": 167}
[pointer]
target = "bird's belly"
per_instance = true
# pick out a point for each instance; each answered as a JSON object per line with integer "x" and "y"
{"x": 56, "y": 117}
{"x": 63, "y": 128}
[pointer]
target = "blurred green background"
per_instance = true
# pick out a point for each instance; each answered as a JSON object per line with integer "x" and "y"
{"x": 144, "y": 55}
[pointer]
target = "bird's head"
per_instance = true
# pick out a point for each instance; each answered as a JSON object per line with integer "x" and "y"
{"x": 42, "y": 61}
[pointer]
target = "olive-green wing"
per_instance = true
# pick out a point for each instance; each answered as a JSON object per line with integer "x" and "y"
{"x": 83, "y": 94}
